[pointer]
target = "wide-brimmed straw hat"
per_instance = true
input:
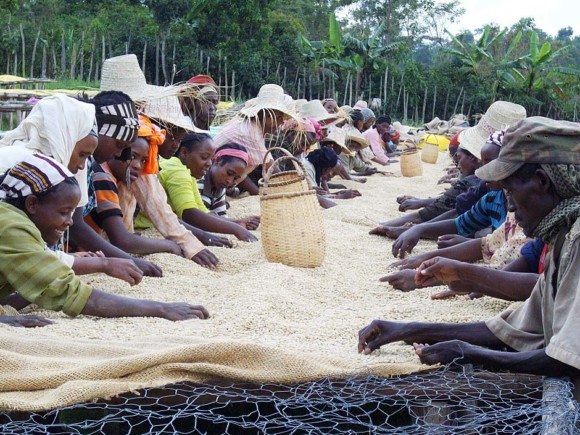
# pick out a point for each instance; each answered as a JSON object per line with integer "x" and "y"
{"x": 354, "y": 135}
{"x": 498, "y": 116}
{"x": 338, "y": 136}
{"x": 270, "y": 97}
{"x": 123, "y": 73}
{"x": 167, "y": 110}
{"x": 314, "y": 109}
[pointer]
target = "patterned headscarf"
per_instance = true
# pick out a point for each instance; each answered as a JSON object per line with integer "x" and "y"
{"x": 566, "y": 181}
{"x": 367, "y": 114}
{"x": 34, "y": 175}
{"x": 155, "y": 136}
{"x": 496, "y": 138}
{"x": 118, "y": 121}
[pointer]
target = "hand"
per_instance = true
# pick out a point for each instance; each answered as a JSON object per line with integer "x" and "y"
{"x": 412, "y": 262}
{"x": 438, "y": 269}
{"x": 182, "y": 311}
{"x": 406, "y": 242}
{"x": 173, "y": 248}
{"x": 26, "y": 321}
{"x": 379, "y": 332}
{"x": 400, "y": 199}
{"x": 411, "y": 204}
{"x": 209, "y": 239}
{"x": 233, "y": 192}
{"x": 446, "y": 294}
{"x": 148, "y": 268}
{"x": 124, "y": 269}
{"x": 359, "y": 179}
{"x": 347, "y": 194}
{"x": 245, "y": 236}
{"x": 89, "y": 254}
{"x": 450, "y": 240}
{"x": 444, "y": 352}
{"x": 387, "y": 231}
{"x": 249, "y": 223}
{"x": 403, "y": 280}
{"x": 206, "y": 258}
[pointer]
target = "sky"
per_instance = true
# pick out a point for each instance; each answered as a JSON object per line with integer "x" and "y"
{"x": 550, "y": 15}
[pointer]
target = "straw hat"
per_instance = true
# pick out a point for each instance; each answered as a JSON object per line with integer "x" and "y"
{"x": 498, "y": 116}
{"x": 123, "y": 73}
{"x": 338, "y": 136}
{"x": 361, "y": 104}
{"x": 314, "y": 109}
{"x": 270, "y": 97}
{"x": 354, "y": 135}
{"x": 298, "y": 104}
{"x": 168, "y": 110}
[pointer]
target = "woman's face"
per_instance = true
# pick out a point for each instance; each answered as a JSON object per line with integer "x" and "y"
{"x": 198, "y": 161}
{"x": 328, "y": 173}
{"x": 83, "y": 149}
{"x": 226, "y": 175}
{"x": 271, "y": 120}
{"x": 331, "y": 106}
{"x": 174, "y": 137}
{"x": 109, "y": 148}
{"x": 52, "y": 214}
{"x": 368, "y": 124}
{"x": 139, "y": 156}
{"x": 466, "y": 162}
{"x": 382, "y": 128}
{"x": 489, "y": 152}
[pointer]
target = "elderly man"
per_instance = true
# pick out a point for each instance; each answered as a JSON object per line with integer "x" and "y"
{"x": 201, "y": 110}
{"x": 539, "y": 169}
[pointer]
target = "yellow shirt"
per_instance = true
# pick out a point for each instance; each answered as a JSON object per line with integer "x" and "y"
{"x": 182, "y": 191}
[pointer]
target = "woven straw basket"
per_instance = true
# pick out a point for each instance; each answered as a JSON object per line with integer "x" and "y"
{"x": 430, "y": 152}
{"x": 411, "y": 165}
{"x": 292, "y": 225}
{"x": 287, "y": 181}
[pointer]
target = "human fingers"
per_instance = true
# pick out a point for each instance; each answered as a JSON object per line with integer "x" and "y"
{"x": 366, "y": 334}
{"x": 30, "y": 321}
{"x": 445, "y": 294}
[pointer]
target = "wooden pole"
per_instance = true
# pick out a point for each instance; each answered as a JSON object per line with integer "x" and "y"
{"x": 446, "y": 104}
{"x": 346, "y": 87}
{"x": 457, "y": 102}
{"x": 424, "y": 106}
{"x": 386, "y": 81}
{"x": 34, "y": 53}
{"x": 82, "y": 55}
{"x": 157, "y": 60}
{"x": 23, "y": 51}
{"x": 44, "y": 60}
{"x": 144, "y": 58}
{"x": 233, "y": 94}
{"x": 226, "y": 77}
{"x": 434, "y": 101}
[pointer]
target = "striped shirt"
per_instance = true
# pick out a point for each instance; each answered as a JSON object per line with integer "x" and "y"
{"x": 107, "y": 195}
{"x": 26, "y": 266}
{"x": 247, "y": 133}
{"x": 490, "y": 210}
{"x": 215, "y": 201}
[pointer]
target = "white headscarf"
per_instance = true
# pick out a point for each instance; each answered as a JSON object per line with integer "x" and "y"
{"x": 52, "y": 128}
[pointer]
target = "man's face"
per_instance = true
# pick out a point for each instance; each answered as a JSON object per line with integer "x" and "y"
{"x": 205, "y": 110}
{"x": 528, "y": 200}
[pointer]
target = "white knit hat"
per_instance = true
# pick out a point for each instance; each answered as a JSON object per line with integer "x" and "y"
{"x": 498, "y": 116}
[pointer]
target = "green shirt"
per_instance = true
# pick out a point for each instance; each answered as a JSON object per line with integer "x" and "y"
{"x": 182, "y": 191}
{"x": 27, "y": 267}
{"x": 352, "y": 163}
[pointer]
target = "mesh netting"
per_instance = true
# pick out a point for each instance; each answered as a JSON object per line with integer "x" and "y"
{"x": 451, "y": 400}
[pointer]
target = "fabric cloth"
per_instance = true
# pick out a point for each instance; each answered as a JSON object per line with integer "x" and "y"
{"x": 34, "y": 175}
{"x": 549, "y": 317}
{"x": 155, "y": 136}
{"x": 466, "y": 200}
{"x": 352, "y": 163}
{"x": 214, "y": 201}
{"x": 503, "y": 246}
{"x": 181, "y": 188}
{"x": 448, "y": 200}
{"x": 27, "y": 267}
{"x": 533, "y": 252}
{"x": 309, "y": 169}
{"x": 91, "y": 195}
{"x": 377, "y": 145}
{"x": 107, "y": 194}
{"x": 119, "y": 121}
{"x": 53, "y": 127}
{"x": 248, "y": 134}
{"x": 489, "y": 211}
{"x": 156, "y": 211}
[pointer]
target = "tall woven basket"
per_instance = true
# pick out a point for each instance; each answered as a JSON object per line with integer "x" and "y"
{"x": 292, "y": 225}
{"x": 286, "y": 181}
{"x": 411, "y": 165}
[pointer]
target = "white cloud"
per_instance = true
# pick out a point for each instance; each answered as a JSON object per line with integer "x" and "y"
{"x": 550, "y": 16}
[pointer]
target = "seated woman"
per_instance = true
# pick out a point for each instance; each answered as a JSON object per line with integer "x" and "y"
{"x": 38, "y": 197}
{"x": 110, "y": 180}
{"x": 336, "y": 141}
{"x": 179, "y": 175}
{"x": 229, "y": 165}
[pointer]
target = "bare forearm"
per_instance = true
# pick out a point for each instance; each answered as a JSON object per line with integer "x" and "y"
{"x": 475, "y": 333}
{"x": 248, "y": 185}
{"x": 433, "y": 230}
{"x": 469, "y": 251}
{"x": 209, "y": 222}
{"x": 449, "y": 214}
{"x": 501, "y": 284}
{"x": 101, "y": 304}
{"x": 534, "y": 362}
{"x": 139, "y": 245}
{"x": 86, "y": 265}
{"x": 82, "y": 235}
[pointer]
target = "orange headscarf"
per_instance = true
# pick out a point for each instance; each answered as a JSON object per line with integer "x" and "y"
{"x": 155, "y": 136}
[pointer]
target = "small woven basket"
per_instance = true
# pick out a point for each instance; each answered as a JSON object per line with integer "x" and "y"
{"x": 292, "y": 225}
{"x": 411, "y": 165}
{"x": 286, "y": 181}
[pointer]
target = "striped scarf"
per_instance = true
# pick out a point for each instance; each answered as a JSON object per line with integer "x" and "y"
{"x": 118, "y": 121}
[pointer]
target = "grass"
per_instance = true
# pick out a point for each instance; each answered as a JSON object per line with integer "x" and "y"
{"x": 77, "y": 85}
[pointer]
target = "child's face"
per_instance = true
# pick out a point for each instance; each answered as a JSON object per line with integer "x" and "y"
{"x": 52, "y": 214}
{"x": 198, "y": 161}
{"x": 226, "y": 175}
{"x": 139, "y": 156}
{"x": 174, "y": 136}
{"x": 83, "y": 149}
{"x": 466, "y": 162}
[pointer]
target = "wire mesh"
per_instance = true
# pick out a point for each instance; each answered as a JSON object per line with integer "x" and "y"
{"x": 452, "y": 400}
